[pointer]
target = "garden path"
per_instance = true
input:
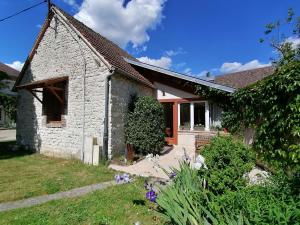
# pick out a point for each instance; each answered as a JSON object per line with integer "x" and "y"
{"x": 148, "y": 168}
{"x": 60, "y": 195}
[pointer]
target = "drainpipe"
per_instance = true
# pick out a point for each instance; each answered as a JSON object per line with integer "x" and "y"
{"x": 105, "y": 133}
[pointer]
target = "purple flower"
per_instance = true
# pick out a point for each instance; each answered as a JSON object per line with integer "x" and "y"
{"x": 151, "y": 196}
{"x": 118, "y": 178}
{"x": 125, "y": 178}
{"x": 172, "y": 175}
{"x": 122, "y": 178}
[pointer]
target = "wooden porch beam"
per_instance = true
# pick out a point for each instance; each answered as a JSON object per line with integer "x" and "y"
{"x": 34, "y": 95}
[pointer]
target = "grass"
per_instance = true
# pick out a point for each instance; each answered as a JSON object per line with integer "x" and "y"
{"x": 119, "y": 205}
{"x": 25, "y": 175}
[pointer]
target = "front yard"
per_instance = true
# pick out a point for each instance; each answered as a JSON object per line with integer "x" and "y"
{"x": 25, "y": 175}
{"x": 119, "y": 205}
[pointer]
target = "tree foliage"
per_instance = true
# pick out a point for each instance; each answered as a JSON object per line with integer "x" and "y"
{"x": 8, "y": 102}
{"x": 145, "y": 126}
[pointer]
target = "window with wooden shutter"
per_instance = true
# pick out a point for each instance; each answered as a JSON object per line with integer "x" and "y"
{"x": 54, "y": 102}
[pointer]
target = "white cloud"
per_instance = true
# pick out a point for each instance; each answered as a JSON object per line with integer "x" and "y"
{"x": 17, "y": 65}
{"x": 230, "y": 67}
{"x": 295, "y": 41}
{"x": 187, "y": 71}
{"x": 175, "y": 52}
{"x": 203, "y": 73}
{"x": 121, "y": 24}
{"x": 164, "y": 62}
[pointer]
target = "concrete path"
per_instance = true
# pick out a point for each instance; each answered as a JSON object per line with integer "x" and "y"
{"x": 147, "y": 168}
{"x": 7, "y": 135}
{"x": 60, "y": 195}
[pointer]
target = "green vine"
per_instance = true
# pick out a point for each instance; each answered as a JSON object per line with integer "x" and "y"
{"x": 271, "y": 107}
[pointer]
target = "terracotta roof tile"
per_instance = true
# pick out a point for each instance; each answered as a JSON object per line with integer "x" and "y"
{"x": 244, "y": 78}
{"x": 109, "y": 50}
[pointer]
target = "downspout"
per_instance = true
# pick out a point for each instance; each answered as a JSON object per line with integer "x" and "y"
{"x": 106, "y": 112}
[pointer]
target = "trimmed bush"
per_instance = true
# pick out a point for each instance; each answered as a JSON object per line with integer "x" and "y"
{"x": 145, "y": 126}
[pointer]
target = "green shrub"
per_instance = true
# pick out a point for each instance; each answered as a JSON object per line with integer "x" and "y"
{"x": 227, "y": 161}
{"x": 145, "y": 126}
{"x": 187, "y": 202}
{"x": 262, "y": 205}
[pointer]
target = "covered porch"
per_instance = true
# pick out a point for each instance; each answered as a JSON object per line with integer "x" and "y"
{"x": 187, "y": 114}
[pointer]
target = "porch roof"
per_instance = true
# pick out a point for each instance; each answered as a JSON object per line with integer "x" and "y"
{"x": 181, "y": 76}
{"x": 42, "y": 83}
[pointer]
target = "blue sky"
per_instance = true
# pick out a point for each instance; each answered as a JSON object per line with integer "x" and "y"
{"x": 191, "y": 36}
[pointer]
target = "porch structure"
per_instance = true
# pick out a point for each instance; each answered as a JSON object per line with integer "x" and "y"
{"x": 186, "y": 114}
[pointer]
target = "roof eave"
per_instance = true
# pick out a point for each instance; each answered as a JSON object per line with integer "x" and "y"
{"x": 122, "y": 72}
{"x": 182, "y": 76}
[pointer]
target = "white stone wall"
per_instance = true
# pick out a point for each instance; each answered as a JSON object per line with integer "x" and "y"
{"x": 121, "y": 91}
{"x": 59, "y": 54}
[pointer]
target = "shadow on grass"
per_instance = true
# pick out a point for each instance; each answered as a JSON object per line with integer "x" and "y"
{"x": 139, "y": 202}
{"x": 9, "y": 150}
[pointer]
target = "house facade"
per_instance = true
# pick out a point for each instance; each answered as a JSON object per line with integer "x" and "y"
{"x": 75, "y": 88}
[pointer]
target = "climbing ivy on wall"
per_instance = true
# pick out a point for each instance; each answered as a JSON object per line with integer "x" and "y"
{"x": 271, "y": 106}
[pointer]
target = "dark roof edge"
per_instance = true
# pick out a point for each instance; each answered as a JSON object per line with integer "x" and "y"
{"x": 182, "y": 76}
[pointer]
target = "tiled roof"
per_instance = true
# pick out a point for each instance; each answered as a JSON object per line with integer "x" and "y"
{"x": 11, "y": 72}
{"x": 244, "y": 78}
{"x": 109, "y": 50}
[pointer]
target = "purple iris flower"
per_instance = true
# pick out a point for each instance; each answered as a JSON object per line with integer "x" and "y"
{"x": 172, "y": 175}
{"x": 151, "y": 196}
{"x": 118, "y": 178}
{"x": 126, "y": 178}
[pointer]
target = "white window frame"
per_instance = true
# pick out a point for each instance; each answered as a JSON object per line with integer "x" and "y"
{"x": 192, "y": 112}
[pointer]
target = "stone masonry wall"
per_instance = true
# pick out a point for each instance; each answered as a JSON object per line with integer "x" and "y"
{"x": 59, "y": 54}
{"x": 120, "y": 96}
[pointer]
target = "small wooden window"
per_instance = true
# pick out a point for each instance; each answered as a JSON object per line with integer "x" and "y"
{"x": 54, "y": 102}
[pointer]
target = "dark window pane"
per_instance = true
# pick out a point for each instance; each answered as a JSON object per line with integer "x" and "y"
{"x": 185, "y": 120}
{"x": 199, "y": 116}
{"x": 53, "y": 108}
{"x": 168, "y": 110}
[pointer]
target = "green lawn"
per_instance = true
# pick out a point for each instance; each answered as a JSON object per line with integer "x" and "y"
{"x": 25, "y": 175}
{"x": 119, "y": 205}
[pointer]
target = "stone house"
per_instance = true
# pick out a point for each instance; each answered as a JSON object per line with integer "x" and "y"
{"x": 76, "y": 85}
